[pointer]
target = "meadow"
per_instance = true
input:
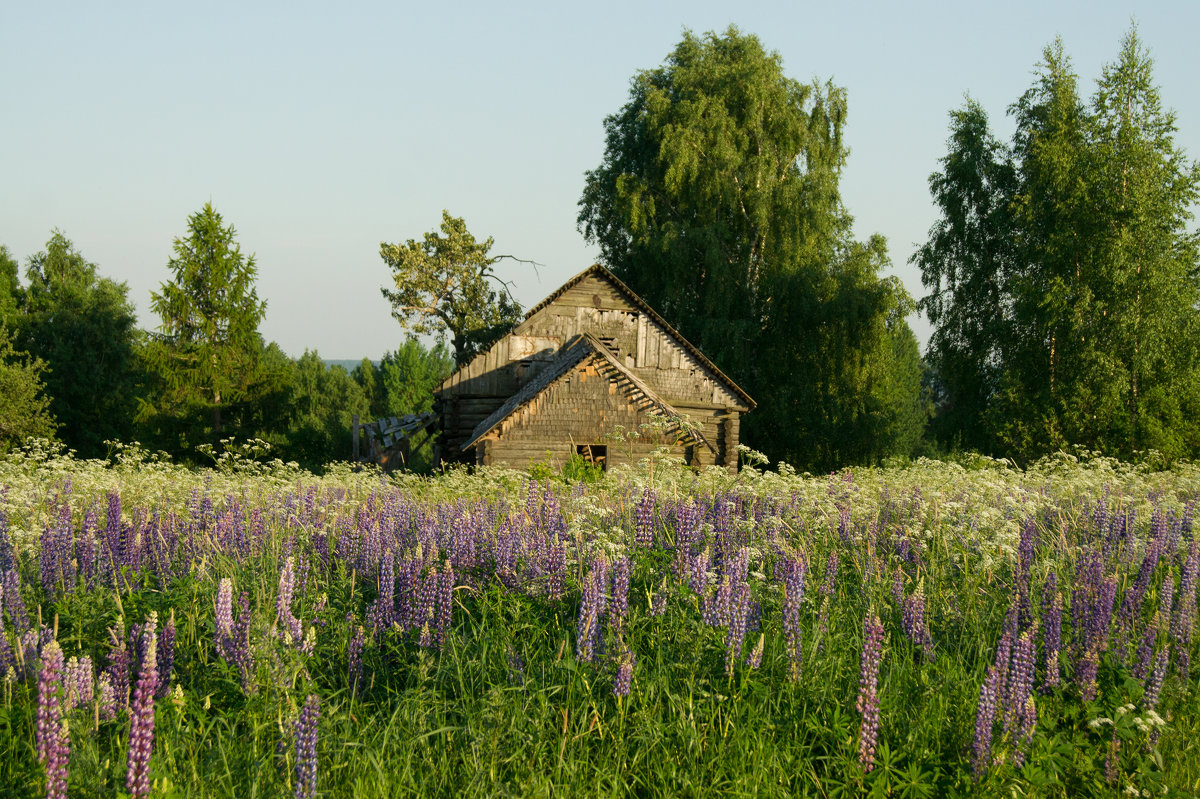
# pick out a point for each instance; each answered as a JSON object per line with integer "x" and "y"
{"x": 926, "y": 629}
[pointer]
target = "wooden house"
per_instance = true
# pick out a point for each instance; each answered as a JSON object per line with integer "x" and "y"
{"x": 589, "y": 358}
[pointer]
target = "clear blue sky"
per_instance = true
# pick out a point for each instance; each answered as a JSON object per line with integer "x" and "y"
{"x": 320, "y": 129}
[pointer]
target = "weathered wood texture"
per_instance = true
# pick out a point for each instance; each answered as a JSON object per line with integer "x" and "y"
{"x": 582, "y": 407}
{"x": 582, "y": 410}
{"x": 595, "y": 306}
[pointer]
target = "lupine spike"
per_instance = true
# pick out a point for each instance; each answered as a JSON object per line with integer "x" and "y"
{"x": 141, "y": 714}
{"x": 53, "y": 741}
{"x": 306, "y": 748}
{"x": 868, "y": 690}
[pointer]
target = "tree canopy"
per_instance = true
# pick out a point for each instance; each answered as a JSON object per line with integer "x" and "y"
{"x": 1065, "y": 283}
{"x": 24, "y": 407}
{"x": 447, "y": 283}
{"x": 210, "y": 312}
{"x": 717, "y": 200}
{"x": 83, "y": 327}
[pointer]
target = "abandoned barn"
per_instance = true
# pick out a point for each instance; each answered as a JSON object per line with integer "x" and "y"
{"x": 590, "y": 358}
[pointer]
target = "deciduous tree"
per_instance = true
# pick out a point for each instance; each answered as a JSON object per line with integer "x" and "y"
{"x": 717, "y": 201}
{"x": 1065, "y": 281}
{"x": 83, "y": 327}
{"x": 447, "y": 283}
{"x": 24, "y": 407}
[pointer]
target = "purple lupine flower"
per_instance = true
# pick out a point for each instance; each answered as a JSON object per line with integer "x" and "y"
{"x": 223, "y": 636}
{"x": 644, "y": 520}
{"x": 1157, "y": 675}
{"x": 106, "y": 697}
{"x": 118, "y": 667}
{"x": 1051, "y": 631}
{"x": 53, "y": 741}
{"x": 913, "y": 618}
{"x": 658, "y": 601}
{"x": 619, "y": 605}
{"x": 623, "y": 680}
{"x": 1131, "y": 603}
{"x": 1099, "y": 620}
{"x": 1025, "y": 554}
{"x": 868, "y": 690}
{"x": 1182, "y": 617}
{"x": 425, "y": 599}
{"x": 7, "y": 659}
{"x": 6, "y": 549}
{"x": 48, "y": 559}
{"x": 687, "y": 520}
{"x": 354, "y": 659}
{"x": 828, "y": 585}
{"x": 698, "y": 574}
{"x": 166, "y": 656}
{"x": 1143, "y": 659}
{"x": 898, "y": 585}
{"x": 293, "y": 634}
{"x": 738, "y": 618}
{"x": 1089, "y": 573}
{"x": 31, "y": 645}
{"x": 78, "y": 682}
{"x": 754, "y": 659}
{"x": 1112, "y": 760}
{"x": 1085, "y": 674}
{"x": 793, "y": 572}
{"x": 242, "y": 655}
{"x": 556, "y": 568}
{"x": 382, "y": 613}
{"x": 445, "y": 604}
{"x": 87, "y": 548}
{"x": 717, "y": 606}
{"x": 1023, "y": 736}
{"x": 592, "y": 608}
{"x": 13, "y": 602}
{"x": 1019, "y": 685}
{"x": 305, "y": 731}
{"x": 141, "y": 714}
{"x": 985, "y": 716}
{"x": 407, "y": 589}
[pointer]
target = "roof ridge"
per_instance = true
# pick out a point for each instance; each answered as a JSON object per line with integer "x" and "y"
{"x": 644, "y": 306}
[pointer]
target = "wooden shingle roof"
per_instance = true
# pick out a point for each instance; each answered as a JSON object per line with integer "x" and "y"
{"x": 644, "y": 307}
{"x": 577, "y": 350}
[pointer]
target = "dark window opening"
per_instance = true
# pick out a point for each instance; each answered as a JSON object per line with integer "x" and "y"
{"x": 595, "y": 454}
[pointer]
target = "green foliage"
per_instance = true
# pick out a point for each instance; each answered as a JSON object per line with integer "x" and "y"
{"x": 403, "y": 383}
{"x": 579, "y": 469}
{"x": 409, "y": 376}
{"x": 966, "y": 263}
{"x": 24, "y": 407}
{"x": 1065, "y": 283}
{"x": 508, "y": 707}
{"x": 9, "y": 287}
{"x": 444, "y": 283}
{"x": 209, "y": 348}
{"x": 324, "y": 401}
{"x": 83, "y": 327}
{"x": 717, "y": 201}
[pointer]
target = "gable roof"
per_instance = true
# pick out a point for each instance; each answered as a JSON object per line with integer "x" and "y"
{"x": 641, "y": 305}
{"x": 577, "y": 350}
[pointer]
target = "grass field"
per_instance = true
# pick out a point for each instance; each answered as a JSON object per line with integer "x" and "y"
{"x": 935, "y": 629}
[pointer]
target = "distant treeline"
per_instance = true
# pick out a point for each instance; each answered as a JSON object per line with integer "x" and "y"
{"x": 1063, "y": 277}
{"x": 75, "y": 367}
